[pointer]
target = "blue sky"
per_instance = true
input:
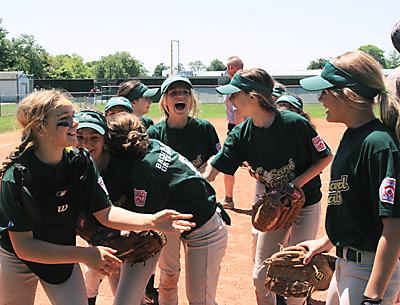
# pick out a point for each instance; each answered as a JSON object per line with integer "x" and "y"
{"x": 274, "y": 35}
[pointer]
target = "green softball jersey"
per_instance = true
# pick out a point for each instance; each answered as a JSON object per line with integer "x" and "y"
{"x": 276, "y": 154}
{"x": 146, "y": 121}
{"x": 164, "y": 179}
{"x": 60, "y": 192}
{"x": 197, "y": 141}
{"x": 363, "y": 187}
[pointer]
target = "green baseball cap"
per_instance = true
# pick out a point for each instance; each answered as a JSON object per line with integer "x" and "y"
{"x": 92, "y": 119}
{"x": 173, "y": 79}
{"x": 334, "y": 77}
{"x": 277, "y": 91}
{"x": 118, "y": 101}
{"x": 240, "y": 83}
{"x": 290, "y": 99}
{"x": 142, "y": 90}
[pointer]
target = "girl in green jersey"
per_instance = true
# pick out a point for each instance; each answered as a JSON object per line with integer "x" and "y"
{"x": 280, "y": 147}
{"x": 363, "y": 214}
{"x": 44, "y": 188}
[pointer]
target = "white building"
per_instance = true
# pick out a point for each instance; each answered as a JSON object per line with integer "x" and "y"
{"x": 14, "y": 86}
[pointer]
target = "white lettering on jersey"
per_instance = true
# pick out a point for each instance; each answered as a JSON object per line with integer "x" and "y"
{"x": 100, "y": 181}
{"x": 387, "y": 190}
{"x": 164, "y": 158}
{"x": 62, "y": 208}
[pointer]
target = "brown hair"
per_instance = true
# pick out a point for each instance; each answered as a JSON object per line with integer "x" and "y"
{"x": 126, "y": 89}
{"x": 33, "y": 111}
{"x": 126, "y": 135}
{"x": 369, "y": 72}
{"x": 262, "y": 77}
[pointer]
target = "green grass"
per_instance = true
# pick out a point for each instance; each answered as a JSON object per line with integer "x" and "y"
{"x": 207, "y": 111}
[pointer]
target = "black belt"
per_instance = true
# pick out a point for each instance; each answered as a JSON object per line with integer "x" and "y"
{"x": 352, "y": 255}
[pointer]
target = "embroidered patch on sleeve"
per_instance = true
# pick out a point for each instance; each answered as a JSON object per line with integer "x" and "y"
{"x": 218, "y": 146}
{"x": 100, "y": 181}
{"x": 387, "y": 190}
{"x": 318, "y": 143}
{"x": 139, "y": 197}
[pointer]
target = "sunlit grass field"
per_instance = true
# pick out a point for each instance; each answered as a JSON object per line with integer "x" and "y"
{"x": 207, "y": 111}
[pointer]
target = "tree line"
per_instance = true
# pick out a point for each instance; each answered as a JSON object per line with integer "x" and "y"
{"x": 390, "y": 62}
{"x": 25, "y": 54}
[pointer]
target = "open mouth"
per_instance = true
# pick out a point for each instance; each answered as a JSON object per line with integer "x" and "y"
{"x": 180, "y": 106}
{"x": 71, "y": 133}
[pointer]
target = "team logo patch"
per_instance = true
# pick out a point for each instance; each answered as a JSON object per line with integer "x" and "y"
{"x": 61, "y": 193}
{"x": 318, "y": 143}
{"x": 218, "y": 146}
{"x": 139, "y": 197}
{"x": 387, "y": 190}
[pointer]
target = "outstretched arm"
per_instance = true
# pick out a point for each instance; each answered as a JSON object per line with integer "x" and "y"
{"x": 314, "y": 170}
{"x": 166, "y": 220}
{"x": 210, "y": 173}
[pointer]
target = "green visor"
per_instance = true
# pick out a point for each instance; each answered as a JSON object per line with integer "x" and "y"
{"x": 118, "y": 101}
{"x": 93, "y": 120}
{"x": 334, "y": 77}
{"x": 174, "y": 79}
{"x": 290, "y": 99}
{"x": 240, "y": 83}
{"x": 142, "y": 90}
{"x": 278, "y": 91}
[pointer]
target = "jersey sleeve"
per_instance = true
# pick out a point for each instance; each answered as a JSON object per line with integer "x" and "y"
{"x": 384, "y": 175}
{"x": 315, "y": 144}
{"x": 12, "y": 215}
{"x": 152, "y": 132}
{"x": 97, "y": 195}
{"x": 148, "y": 191}
{"x": 231, "y": 156}
{"x": 214, "y": 146}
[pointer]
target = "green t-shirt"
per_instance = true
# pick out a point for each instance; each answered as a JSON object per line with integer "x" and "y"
{"x": 277, "y": 154}
{"x": 146, "y": 121}
{"x": 197, "y": 141}
{"x": 164, "y": 179}
{"x": 364, "y": 186}
{"x": 61, "y": 192}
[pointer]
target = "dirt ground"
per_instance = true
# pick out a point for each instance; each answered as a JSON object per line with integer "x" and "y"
{"x": 235, "y": 284}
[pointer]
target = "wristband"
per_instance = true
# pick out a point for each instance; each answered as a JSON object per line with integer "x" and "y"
{"x": 369, "y": 301}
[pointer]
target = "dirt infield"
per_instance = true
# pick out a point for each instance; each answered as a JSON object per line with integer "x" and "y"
{"x": 235, "y": 285}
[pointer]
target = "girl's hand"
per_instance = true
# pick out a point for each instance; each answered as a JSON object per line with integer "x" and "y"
{"x": 172, "y": 221}
{"x": 102, "y": 260}
{"x": 315, "y": 246}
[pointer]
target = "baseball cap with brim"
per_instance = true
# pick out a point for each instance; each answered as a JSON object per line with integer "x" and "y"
{"x": 277, "y": 91}
{"x": 118, "y": 101}
{"x": 334, "y": 77}
{"x": 173, "y": 79}
{"x": 91, "y": 119}
{"x": 142, "y": 90}
{"x": 290, "y": 99}
{"x": 240, "y": 83}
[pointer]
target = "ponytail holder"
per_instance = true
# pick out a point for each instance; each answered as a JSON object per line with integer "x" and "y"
{"x": 384, "y": 91}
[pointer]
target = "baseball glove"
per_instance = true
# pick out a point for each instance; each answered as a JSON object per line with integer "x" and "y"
{"x": 132, "y": 247}
{"x": 278, "y": 209}
{"x": 288, "y": 276}
{"x": 395, "y": 35}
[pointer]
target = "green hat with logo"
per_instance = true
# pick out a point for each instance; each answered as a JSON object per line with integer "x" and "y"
{"x": 278, "y": 91}
{"x": 92, "y": 119}
{"x": 141, "y": 90}
{"x": 292, "y": 100}
{"x": 240, "y": 83}
{"x": 174, "y": 79}
{"x": 334, "y": 77}
{"x": 118, "y": 101}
